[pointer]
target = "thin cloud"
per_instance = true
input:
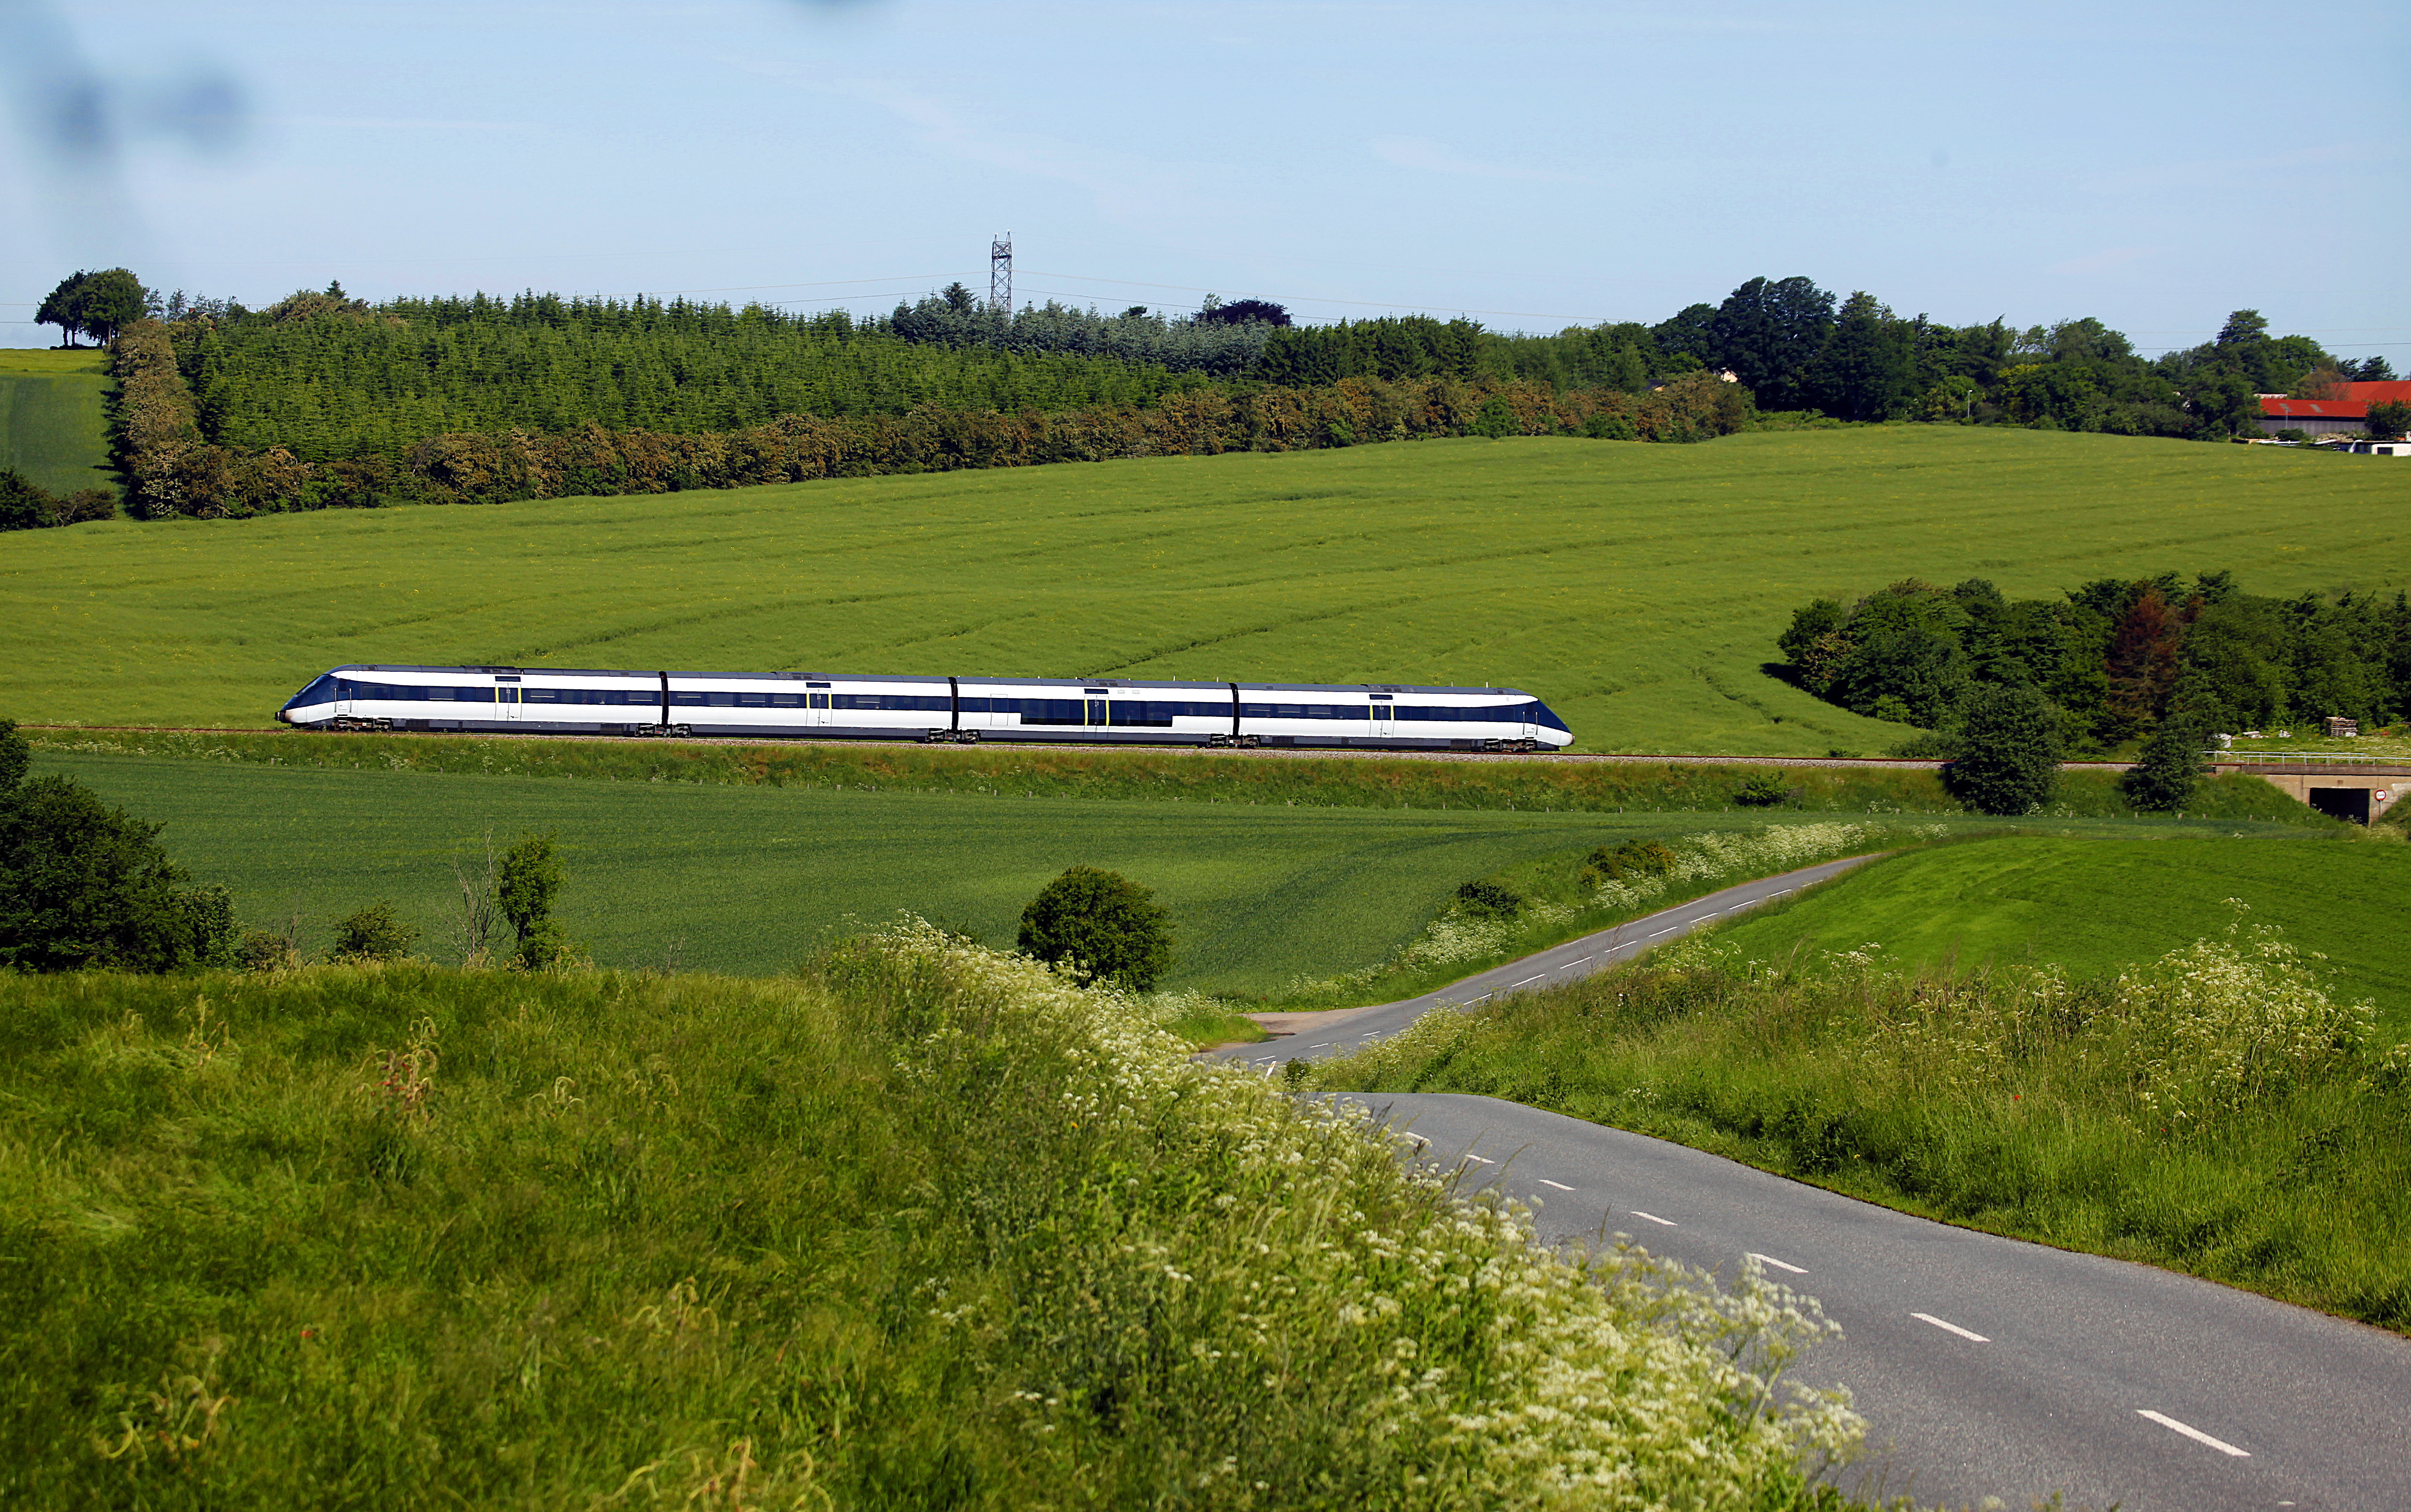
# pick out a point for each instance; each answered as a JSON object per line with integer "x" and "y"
{"x": 393, "y": 123}
{"x": 2207, "y": 171}
{"x": 1431, "y": 157}
{"x": 1139, "y": 192}
{"x": 2101, "y": 262}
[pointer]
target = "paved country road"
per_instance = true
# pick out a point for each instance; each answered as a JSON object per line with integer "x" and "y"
{"x": 1986, "y": 1367}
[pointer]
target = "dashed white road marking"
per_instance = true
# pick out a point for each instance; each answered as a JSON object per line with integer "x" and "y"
{"x": 1559, "y": 1185}
{"x": 1655, "y": 1219}
{"x": 1321, "y": 1045}
{"x": 1779, "y": 1265}
{"x": 1668, "y": 929}
{"x": 2193, "y": 1434}
{"x": 1471, "y": 1156}
{"x": 1950, "y": 1327}
{"x": 1526, "y": 982}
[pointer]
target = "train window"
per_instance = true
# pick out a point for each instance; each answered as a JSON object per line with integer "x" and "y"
{"x": 1153, "y": 716}
{"x": 1050, "y": 711}
{"x": 1304, "y": 710}
{"x": 1383, "y": 697}
{"x": 783, "y": 700}
{"x": 754, "y": 700}
{"x": 816, "y": 685}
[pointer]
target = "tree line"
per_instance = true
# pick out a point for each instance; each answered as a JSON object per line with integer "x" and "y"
{"x": 321, "y": 398}
{"x": 174, "y": 469}
{"x": 2113, "y": 661}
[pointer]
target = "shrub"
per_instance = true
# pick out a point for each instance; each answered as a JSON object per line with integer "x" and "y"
{"x": 527, "y": 880}
{"x": 1099, "y": 927}
{"x": 2008, "y": 760}
{"x": 1635, "y": 858}
{"x": 1489, "y": 900}
{"x": 266, "y": 951}
{"x": 374, "y": 934}
{"x": 1765, "y": 790}
{"x": 84, "y": 885}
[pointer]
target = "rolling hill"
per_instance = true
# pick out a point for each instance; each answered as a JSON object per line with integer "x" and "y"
{"x": 1637, "y": 588}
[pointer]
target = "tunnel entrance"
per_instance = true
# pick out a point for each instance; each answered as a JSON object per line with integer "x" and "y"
{"x": 2341, "y": 802}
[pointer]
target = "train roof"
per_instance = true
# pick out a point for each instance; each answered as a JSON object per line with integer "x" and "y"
{"x": 863, "y": 677}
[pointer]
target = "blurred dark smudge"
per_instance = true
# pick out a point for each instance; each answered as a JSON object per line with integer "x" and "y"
{"x": 78, "y": 123}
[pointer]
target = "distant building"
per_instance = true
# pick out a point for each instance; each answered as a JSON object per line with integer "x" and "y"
{"x": 2397, "y": 392}
{"x": 2316, "y": 417}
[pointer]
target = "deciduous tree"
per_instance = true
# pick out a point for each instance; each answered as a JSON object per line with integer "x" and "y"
{"x": 2009, "y": 748}
{"x": 1100, "y": 926}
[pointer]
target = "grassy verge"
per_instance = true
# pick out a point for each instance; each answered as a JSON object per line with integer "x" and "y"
{"x": 1154, "y": 776}
{"x": 2092, "y": 905}
{"x": 2215, "y": 1112}
{"x": 926, "y": 1227}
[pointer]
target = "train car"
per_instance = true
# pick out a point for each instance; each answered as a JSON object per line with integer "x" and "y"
{"x": 539, "y": 700}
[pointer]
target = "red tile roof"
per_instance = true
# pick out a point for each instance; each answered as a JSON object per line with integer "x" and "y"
{"x": 2324, "y": 409}
{"x": 2373, "y": 393}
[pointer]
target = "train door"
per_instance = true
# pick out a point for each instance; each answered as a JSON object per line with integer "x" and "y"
{"x": 343, "y": 698}
{"x": 1383, "y": 713}
{"x": 818, "y": 698}
{"x": 507, "y": 695}
{"x": 1100, "y": 709}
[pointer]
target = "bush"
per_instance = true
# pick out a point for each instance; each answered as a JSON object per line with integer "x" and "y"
{"x": 1765, "y": 790}
{"x": 1099, "y": 926}
{"x": 1489, "y": 900}
{"x": 85, "y": 886}
{"x": 266, "y": 951}
{"x": 1635, "y": 858}
{"x": 374, "y": 934}
{"x": 2008, "y": 760}
{"x": 527, "y": 881}
{"x": 16, "y": 757}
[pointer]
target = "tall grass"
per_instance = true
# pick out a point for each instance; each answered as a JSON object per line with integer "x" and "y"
{"x": 929, "y": 1227}
{"x": 2217, "y": 1111}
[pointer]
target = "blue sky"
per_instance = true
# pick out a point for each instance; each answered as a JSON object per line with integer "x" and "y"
{"x": 1536, "y": 165}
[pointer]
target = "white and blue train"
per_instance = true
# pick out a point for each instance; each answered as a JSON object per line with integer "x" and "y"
{"x": 539, "y": 700}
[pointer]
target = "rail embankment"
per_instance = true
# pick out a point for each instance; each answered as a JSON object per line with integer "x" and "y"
{"x": 1540, "y": 785}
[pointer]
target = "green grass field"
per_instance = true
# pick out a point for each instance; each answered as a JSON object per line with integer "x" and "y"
{"x": 752, "y": 879}
{"x": 1637, "y": 588}
{"x": 53, "y": 429}
{"x": 2096, "y": 905}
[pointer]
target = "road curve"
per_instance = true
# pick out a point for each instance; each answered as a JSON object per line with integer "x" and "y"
{"x": 1988, "y": 1368}
{"x": 1314, "y": 1035}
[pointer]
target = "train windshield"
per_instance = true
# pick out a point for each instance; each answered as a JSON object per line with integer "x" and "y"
{"x": 1547, "y": 717}
{"x": 320, "y": 691}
